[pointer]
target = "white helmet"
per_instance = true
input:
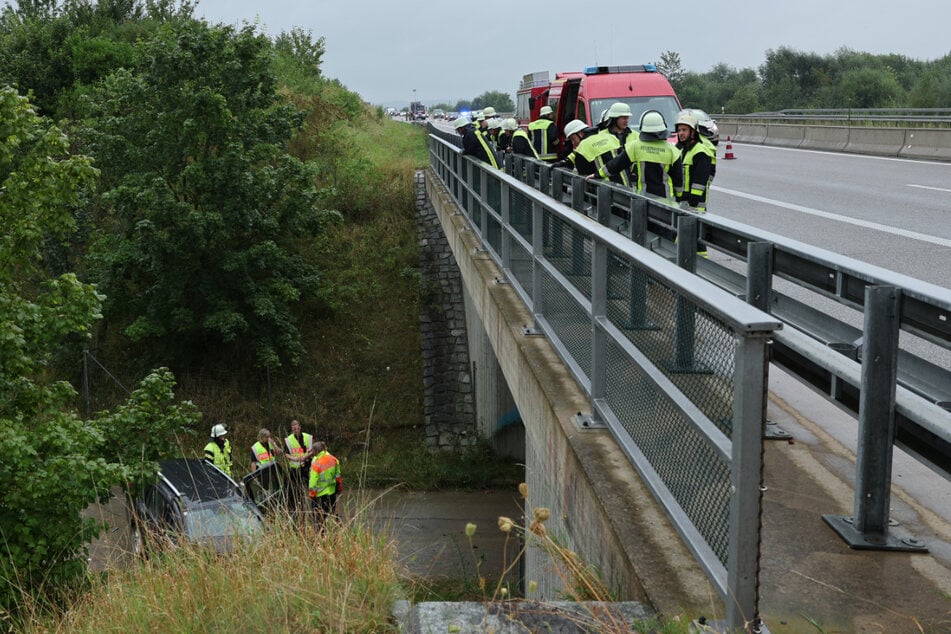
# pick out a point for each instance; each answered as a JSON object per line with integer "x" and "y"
{"x": 218, "y": 431}
{"x": 687, "y": 119}
{"x": 460, "y": 122}
{"x": 653, "y": 122}
{"x": 545, "y": 110}
{"x": 619, "y": 109}
{"x": 495, "y": 123}
{"x": 574, "y": 127}
{"x": 488, "y": 111}
{"x": 509, "y": 124}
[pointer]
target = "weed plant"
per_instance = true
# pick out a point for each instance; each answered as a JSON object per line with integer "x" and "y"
{"x": 291, "y": 579}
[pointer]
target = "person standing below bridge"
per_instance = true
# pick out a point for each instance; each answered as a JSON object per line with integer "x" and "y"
{"x": 264, "y": 452}
{"x": 591, "y": 151}
{"x": 699, "y": 159}
{"x": 544, "y": 134}
{"x": 326, "y": 482}
{"x": 473, "y": 143}
{"x": 299, "y": 447}
{"x": 218, "y": 449}
{"x": 653, "y": 161}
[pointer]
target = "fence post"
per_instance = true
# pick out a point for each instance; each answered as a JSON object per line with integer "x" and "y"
{"x": 868, "y": 528}
{"x": 685, "y": 318}
{"x": 746, "y": 477}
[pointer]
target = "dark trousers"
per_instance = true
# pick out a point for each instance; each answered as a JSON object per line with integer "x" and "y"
{"x": 324, "y": 506}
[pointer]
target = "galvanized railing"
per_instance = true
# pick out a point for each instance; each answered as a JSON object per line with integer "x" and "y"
{"x": 795, "y": 282}
{"x": 674, "y": 366}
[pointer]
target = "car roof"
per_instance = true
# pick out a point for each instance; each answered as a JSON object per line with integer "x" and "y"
{"x": 197, "y": 480}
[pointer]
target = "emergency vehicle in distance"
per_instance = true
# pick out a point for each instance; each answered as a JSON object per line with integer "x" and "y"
{"x": 586, "y": 95}
{"x": 417, "y": 111}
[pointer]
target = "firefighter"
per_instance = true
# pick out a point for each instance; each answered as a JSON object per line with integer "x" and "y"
{"x": 325, "y": 482}
{"x": 618, "y": 118}
{"x": 653, "y": 161}
{"x": 504, "y": 142}
{"x": 218, "y": 449}
{"x": 699, "y": 159}
{"x": 492, "y": 134}
{"x": 591, "y": 151}
{"x": 544, "y": 135}
{"x": 521, "y": 144}
{"x": 299, "y": 450}
{"x": 264, "y": 451}
{"x": 473, "y": 142}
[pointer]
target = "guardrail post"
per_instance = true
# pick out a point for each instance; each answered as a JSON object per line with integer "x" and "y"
{"x": 599, "y": 303}
{"x": 746, "y": 478}
{"x": 558, "y": 184}
{"x": 867, "y": 528}
{"x": 685, "y": 318}
{"x": 638, "y": 221}
{"x": 577, "y": 239}
{"x": 604, "y": 204}
{"x": 506, "y": 228}
{"x": 759, "y": 275}
{"x": 538, "y": 271}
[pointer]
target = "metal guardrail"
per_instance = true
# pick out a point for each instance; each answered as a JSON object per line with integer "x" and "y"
{"x": 792, "y": 280}
{"x": 674, "y": 366}
{"x": 940, "y": 117}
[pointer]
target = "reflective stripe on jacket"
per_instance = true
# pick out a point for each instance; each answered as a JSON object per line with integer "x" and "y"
{"x": 543, "y": 134}
{"x": 294, "y": 448}
{"x": 324, "y": 471}
{"x": 218, "y": 457}
{"x": 262, "y": 454}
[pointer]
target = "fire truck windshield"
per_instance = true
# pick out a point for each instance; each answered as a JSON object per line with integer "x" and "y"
{"x": 666, "y": 105}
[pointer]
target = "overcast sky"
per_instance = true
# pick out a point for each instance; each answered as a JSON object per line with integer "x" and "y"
{"x": 389, "y": 52}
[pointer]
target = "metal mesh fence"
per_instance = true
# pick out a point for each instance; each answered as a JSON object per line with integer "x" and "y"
{"x": 570, "y": 323}
{"x": 569, "y": 251}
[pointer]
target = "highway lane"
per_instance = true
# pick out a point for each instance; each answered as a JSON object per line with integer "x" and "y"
{"x": 894, "y": 213}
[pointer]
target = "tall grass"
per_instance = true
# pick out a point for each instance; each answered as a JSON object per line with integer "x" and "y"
{"x": 291, "y": 579}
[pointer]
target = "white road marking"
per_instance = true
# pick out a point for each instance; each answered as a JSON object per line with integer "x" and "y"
{"x": 844, "y": 154}
{"x": 937, "y": 189}
{"x": 943, "y": 242}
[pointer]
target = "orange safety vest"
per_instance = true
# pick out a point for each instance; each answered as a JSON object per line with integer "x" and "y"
{"x": 324, "y": 471}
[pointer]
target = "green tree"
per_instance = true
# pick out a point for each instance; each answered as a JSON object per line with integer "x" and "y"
{"x": 671, "y": 67}
{"x": 204, "y": 211}
{"x": 502, "y": 102}
{"x": 55, "y": 464}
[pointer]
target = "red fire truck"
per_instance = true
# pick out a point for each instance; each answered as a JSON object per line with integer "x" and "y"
{"x": 586, "y": 95}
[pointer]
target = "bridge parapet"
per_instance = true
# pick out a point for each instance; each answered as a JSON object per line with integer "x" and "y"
{"x": 674, "y": 367}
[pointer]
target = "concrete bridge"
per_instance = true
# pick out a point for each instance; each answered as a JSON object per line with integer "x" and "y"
{"x": 737, "y": 558}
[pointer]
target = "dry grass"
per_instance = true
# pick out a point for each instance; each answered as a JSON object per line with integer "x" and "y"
{"x": 292, "y": 579}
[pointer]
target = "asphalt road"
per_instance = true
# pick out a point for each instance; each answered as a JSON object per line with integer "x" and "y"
{"x": 893, "y": 213}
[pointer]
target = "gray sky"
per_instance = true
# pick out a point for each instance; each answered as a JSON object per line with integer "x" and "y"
{"x": 448, "y": 51}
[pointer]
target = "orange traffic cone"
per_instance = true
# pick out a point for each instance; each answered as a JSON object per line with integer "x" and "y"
{"x": 729, "y": 150}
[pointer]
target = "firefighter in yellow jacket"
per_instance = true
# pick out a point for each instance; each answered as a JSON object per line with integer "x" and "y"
{"x": 325, "y": 482}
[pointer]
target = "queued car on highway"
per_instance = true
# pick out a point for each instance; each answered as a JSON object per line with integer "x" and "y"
{"x": 192, "y": 501}
{"x": 706, "y": 124}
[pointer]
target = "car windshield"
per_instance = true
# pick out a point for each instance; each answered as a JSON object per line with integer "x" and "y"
{"x": 666, "y": 105}
{"x": 221, "y": 519}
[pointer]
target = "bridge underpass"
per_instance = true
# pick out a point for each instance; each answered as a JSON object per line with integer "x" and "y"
{"x": 608, "y": 515}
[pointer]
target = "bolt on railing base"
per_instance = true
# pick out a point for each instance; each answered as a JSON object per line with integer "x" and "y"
{"x": 587, "y": 421}
{"x": 844, "y": 525}
{"x": 775, "y": 432}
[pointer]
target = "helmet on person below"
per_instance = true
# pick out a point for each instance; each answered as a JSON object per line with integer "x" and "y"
{"x": 574, "y": 127}
{"x": 619, "y": 109}
{"x": 495, "y": 123}
{"x": 687, "y": 119}
{"x": 509, "y": 124}
{"x": 652, "y": 122}
{"x": 489, "y": 111}
{"x": 460, "y": 122}
{"x": 218, "y": 431}
{"x": 545, "y": 110}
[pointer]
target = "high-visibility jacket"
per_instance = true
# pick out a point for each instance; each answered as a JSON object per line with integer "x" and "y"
{"x": 324, "y": 474}
{"x": 219, "y": 456}
{"x": 699, "y": 161}
{"x": 294, "y": 448}
{"x": 521, "y": 144}
{"x": 656, "y": 165}
{"x": 593, "y": 153}
{"x": 474, "y": 144}
{"x": 262, "y": 454}
{"x": 544, "y": 135}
